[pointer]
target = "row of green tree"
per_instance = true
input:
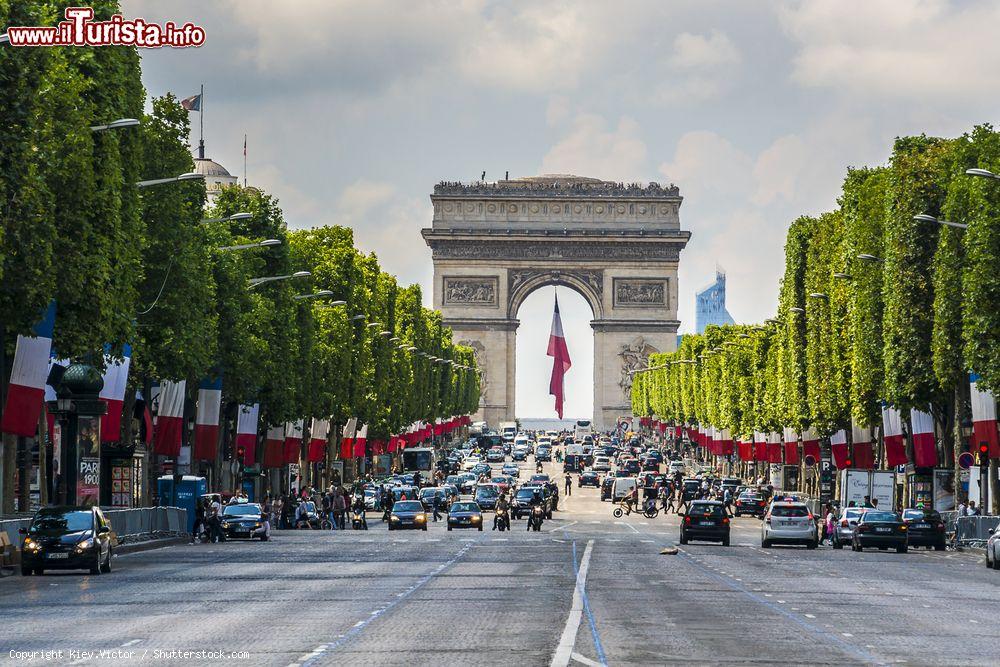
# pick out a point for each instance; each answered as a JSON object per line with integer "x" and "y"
{"x": 140, "y": 266}
{"x": 876, "y": 306}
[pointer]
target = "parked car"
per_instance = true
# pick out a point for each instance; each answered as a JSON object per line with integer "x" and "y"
{"x": 877, "y": 528}
{"x": 705, "y": 520}
{"x": 67, "y": 537}
{"x": 788, "y": 523}
{"x": 924, "y": 528}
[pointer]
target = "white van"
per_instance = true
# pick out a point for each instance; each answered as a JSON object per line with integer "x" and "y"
{"x": 622, "y": 487}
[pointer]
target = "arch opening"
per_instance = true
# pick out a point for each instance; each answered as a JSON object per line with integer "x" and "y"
{"x": 533, "y": 309}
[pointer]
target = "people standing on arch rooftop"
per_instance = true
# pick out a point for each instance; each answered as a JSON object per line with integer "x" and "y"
{"x": 560, "y": 359}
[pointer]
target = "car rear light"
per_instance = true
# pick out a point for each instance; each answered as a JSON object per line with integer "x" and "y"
{"x": 862, "y": 528}
{"x": 811, "y": 517}
{"x": 902, "y": 526}
{"x": 940, "y": 527}
{"x": 725, "y": 519}
{"x": 761, "y": 503}
{"x": 687, "y": 519}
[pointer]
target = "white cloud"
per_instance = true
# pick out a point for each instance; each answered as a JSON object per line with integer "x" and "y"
{"x": 914, "y": 49}
{"x": 707, "y": 164}
{"x": 360, "y": 197}
{"x": 704, "y": 51}
{"x": 592, "y": 149}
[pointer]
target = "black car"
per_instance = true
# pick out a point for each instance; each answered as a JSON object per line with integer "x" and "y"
{"x": 487, "y": 496}
{"x": 427, "y": 498}
{"x": 408, "y": 514}
{"x": 243, "y": 520}
{"x": 750, "y": 503}
{"x": 465, "y": 515}
{"x": 924, "y": 528}
{"x": 631, "y": 467}
{"x": 67, "y": 538}
{"x": 522, "y": 501}
{"x": 877, "y": 528}
{"x": 607, "y": 484}
{"x": 705, "y": 520}
{"x": 519, "y": 455}
{"x": 543, "y": 453}
{"x": 692, "y": 489}
{"x": 650, "y": 464}
{"x": 588, "y": 478}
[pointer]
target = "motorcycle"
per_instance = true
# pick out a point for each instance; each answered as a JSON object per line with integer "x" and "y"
{"x": 502, "y": 521}
{"x": 311, "y": 520}
{"x": 536, "y": 518}
{"x": 358, "y": 520}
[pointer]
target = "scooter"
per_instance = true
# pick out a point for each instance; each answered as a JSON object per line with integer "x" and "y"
{"x": 536, "y": 518}
{"x": 358, "y": 520}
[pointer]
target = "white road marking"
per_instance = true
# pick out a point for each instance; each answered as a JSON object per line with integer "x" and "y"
{"x": 810, "y": 616}
{"x": 564, "y": 652}
{"x": 130, "y": 643}
{"x": 630, "y": 526}
{"x": 571, "y": 523}
{"x": 585, "y": 660}
{"x": 847, "y": 634}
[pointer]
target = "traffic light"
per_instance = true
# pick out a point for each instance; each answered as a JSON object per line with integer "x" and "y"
{"x": 849, "y": 463}
{"x": 984, "y": 453}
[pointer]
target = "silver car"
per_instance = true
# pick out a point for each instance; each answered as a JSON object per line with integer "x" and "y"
{"x": 788, "y": 523}
{"x": 843, "y": 529}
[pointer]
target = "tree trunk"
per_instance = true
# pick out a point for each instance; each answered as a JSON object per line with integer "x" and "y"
{"x": 23, "y": 474}
{"x": 43, "y": 453}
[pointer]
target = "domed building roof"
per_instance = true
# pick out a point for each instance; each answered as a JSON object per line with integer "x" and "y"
{"x": 210, "y": 168}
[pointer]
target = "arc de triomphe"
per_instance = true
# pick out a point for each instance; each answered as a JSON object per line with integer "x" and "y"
{"x": 493, "y": 244}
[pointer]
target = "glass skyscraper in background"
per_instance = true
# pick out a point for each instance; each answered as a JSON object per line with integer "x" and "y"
{"x": 710, "y": 304}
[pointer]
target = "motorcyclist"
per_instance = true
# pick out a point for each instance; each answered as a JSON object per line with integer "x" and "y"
{"x": 501, "y": 514}
{"x": 538, "y": 466}
{"x": 358, "y": 506}
{"x": 536, "y": 501}
{"x": 387, "y": 502}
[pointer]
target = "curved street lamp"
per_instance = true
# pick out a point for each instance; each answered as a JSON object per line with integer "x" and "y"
{"x": 316, "y": 295}
{"x": 115, "y": 124}
{"x": 254, "y": 282}
{"x": 982, "y": 173}
{"x": 247, "y": 246}
{"x": 923, "y": 217}
{"x": 190, "y": 176}
{"x": 865, "y": 257}
{"x": 229, "y": 218}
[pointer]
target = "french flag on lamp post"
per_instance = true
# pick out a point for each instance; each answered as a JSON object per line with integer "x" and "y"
{"x": 206, "y": 421}
{"x": 984, "y": 418}
{"x": 27, "y": 377}
{"x": 318, "y": 432}
{"x": 838, "y": 447}
{"x": 347, "y": 440}
{"x": 273, "y": 446}
{"x": 924, "y": 446}
{"x": 246, "y": 433}
{"x": 169, "y": 419}
{"x": 359, "y": 442}
{"x": 892, "y": 433}
{"x": 293, "y": 440}
{"x": 861, "y": 436}
{"x": 115, "y": 380}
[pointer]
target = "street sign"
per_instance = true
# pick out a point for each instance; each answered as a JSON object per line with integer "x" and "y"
{"x": 966, "y": 459}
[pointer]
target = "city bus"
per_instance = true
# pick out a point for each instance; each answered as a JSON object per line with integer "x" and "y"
{"x": 582, "y": 429}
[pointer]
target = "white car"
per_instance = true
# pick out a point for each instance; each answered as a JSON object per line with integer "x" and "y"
{"x": 788, "y": 523}
{"x": 471, "y": 462}
{"x": 601, "y": 464}
{"x": 676, "y": 467}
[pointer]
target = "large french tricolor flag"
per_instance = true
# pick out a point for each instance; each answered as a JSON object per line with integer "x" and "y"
{"x": 791, "y": 446}
{"x": 838, "y": 447}
{"x": 293, "y": 440}
{"x": 560, "y": 359}
{"x": 892, "y": 433}
{"x": 347, "y": 440}
{"x": 273, "y": 447}
{"x": 924, "y": 447}
{"x": 206, "y": 421}
{"x": 169, "y": 419}
{"x": 984, "y": 418}
{"x": 810, "y": 444}
{"x": 760, "y": 447}
{"x": 774, "y": 447}
{"x": 318, "y": 433}
{"x": 359, "y": 442}
{"x": 115, "y": 380}
{"x": 864, "y": 456}
{"x": 26, "y": 391}
{"x": 246, "y": 432}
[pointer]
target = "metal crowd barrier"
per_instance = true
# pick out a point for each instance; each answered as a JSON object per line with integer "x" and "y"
{"x": 974, "y": 529}
{"x": 137, "y": 521}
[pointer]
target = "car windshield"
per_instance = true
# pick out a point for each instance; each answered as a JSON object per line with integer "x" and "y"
{"x": 408, "y": 506}
{"x": 71, "y": 522}
{"x": 879, "y": 516}
{"x": 692, "y": 485}
{"x": 525, "y": 493}
{"x": 429, "y": 493}
{"x": 499, "y": 480}
{"x": 789, "y": 511}
{"x": 465, "y": 507}
{"x": 921, "y": 514}
{"x": 242, "y": 509}
{"x": 539, "y": 478}
{"x": 487, "y": 491}
{"x": 751, "y": 496}
{"x": 699, "y": 509}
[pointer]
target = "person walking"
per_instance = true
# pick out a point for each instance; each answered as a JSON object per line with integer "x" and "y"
{"x": 339, "y": 508}
{"x": 569, "y": 485}
{"x": 436, "y": 504}
{"x": 214, "y": 516}
{"x": 199, "y": 520}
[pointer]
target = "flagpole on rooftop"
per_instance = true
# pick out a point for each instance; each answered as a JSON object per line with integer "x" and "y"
{"x": 201, "y": 122}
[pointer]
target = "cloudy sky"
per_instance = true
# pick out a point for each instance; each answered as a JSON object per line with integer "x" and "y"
{"x": 355, "y": 108}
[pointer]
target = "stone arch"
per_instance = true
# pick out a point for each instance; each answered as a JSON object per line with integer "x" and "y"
{"x": 522, "y": 282}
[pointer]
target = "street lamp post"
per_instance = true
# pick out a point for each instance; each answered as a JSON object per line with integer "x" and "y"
{"x": 247, "y": 246}
{"x": 190, "y": 176}
{"x": 254, "y": 282}
{"x": 115, "y": 124}
{"x": 228, "y": 218}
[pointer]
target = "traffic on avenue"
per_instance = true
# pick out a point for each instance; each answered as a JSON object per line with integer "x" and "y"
{"x": 541, "y": 547}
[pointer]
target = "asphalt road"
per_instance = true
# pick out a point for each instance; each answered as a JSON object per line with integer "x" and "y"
{"x": 587, "y": 590}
